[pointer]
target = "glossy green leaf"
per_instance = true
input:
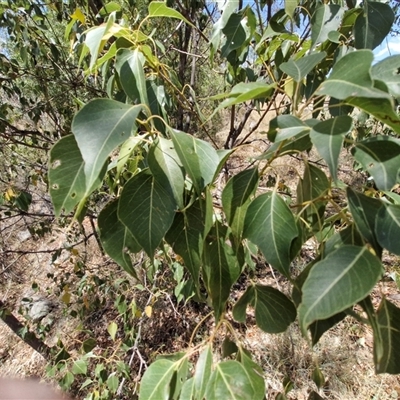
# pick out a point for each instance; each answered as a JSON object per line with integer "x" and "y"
{"x": 372, "y": 25}
{"x": 337, "y": 282}
{"x": 109, "y": 8}
{"x": 79, "y": 367}
{"x": 166, "y": 167}
{"x": 327, "y": 136}
{"x": 346, "y": 81}
{"x": 387, "y": 71}
{"x": 160, "y": 9}
{"x": 198, "y": 157}
{"x": 388, "y": 323}
{"x": 364, "y": 210}
{"x": 270, "y": 225}
{"x": 299, "y": 69}
{"x": 235, "y": 32}
{"x": 273, "y": 310}
{"x": 236, "y": 197}
{"x": 285, "y": 127}
{"x": 156, "y": 381}
{"x": 256, "y": 372}
{"x": 116, "y": 238}
{"x": 130, "y": 67}
{"x": 387, "y": 228}
{"x": 66, "y": 175}
{"x": 231, "y": 380}
{"x": 113, "y": 123}
{"x": 221, "y": 268}
{"x": 325, "y": 19}
{"x": 380, "y": 156}
{"x": 186, "y": 236}
{"x": 147, "y": 209}
{"x": 203, "y": 372}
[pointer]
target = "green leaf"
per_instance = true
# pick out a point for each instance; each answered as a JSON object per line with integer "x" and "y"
{"x": 381, "y": 108}
{"x": 243, "y": 92}
{"x": 311, "y": 191}
{"x": 198, "y": 157}
{"x": 346, "y": 81}
{"x": 337, "y": 282}
{"x": 318, "y": 328}
{"x": 299, "y": 69}
{"x": 186, "y": 237}
{"x": 160, "y": 9}
{"x": 273, "y": 310}
{"x": 109, "y": 8}
{"x": 290, "y": 7}
{"x": 112, "y": 329}
{"x": 147, "y": 209}
{"x": 388, "y": 227}
{"x": 325, "y": 19}
{"x": 112, "y": 383}
{"x": 112, "y": 122}
{"x": 88, "y": 345}
{"x": 348, "y": 235}
{"x": 270, "y": 225}
{"x": 388, "y": 322}
{"x": 239, "y": 309}
{"x": 66, "y": 175}
{"x": 156, "y": 381}
{"x": 235, "y": 32}
{"x": 79, "y": 367}
{"x": 221, "y": 268}
{"x": 130, "y": 67}
{"x": 373, "y": 25}
{"x": 23, "y": 201}
{"x": 285, "y": 127}
{"x": 116, "y": 238}
{"x": 203, "y": 372}
{"x": 387, "y": 71}
{"x": 231, "y": 380}
{"x": 364, "y": 210}
{"x": 188, "y": 390}
{"x": 380, "y": 156}
{"x": 166, "y": 168}
{"x": 327, "y": 136}
{"x": 236, "y": 197}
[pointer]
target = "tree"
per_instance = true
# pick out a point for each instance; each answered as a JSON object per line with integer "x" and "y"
{"x": 313, "y": 64}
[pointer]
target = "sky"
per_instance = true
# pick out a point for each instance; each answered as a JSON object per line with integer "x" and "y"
{"x": 389, "y": 47}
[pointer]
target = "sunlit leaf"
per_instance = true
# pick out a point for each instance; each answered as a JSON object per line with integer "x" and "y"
{"x": 112, "y": 329}
{"x": 198, "y": 157}
{"x": 387, "y": 71}
{"x": 66, "y": 175}
{"x": 160, "y": 9}
{"x": 113, "y": 123}
{"x": 337, "y": 282}
{"x": 325, "y": 19}
{"x": 235, "y": 33}
{"x": 130, "y": 67}
{"x": 327, "y": 136}
{"x": 166, "y": 167}
{"x": 270, "y": 225}
{"x": 299, "y": 69}
{"x": 231, "y": 380}
{"x": 147, "y": 209}
{"x": 380, "y": 156}
{"x": 285, "y": 127}
{"x": 203, "y": 372}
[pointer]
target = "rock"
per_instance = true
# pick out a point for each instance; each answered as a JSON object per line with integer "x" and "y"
{"x": 24, "y": 235}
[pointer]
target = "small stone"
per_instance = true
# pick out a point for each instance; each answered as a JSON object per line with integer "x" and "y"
{"x": 24, "y": 235}
{"x": 40, "y": 309}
